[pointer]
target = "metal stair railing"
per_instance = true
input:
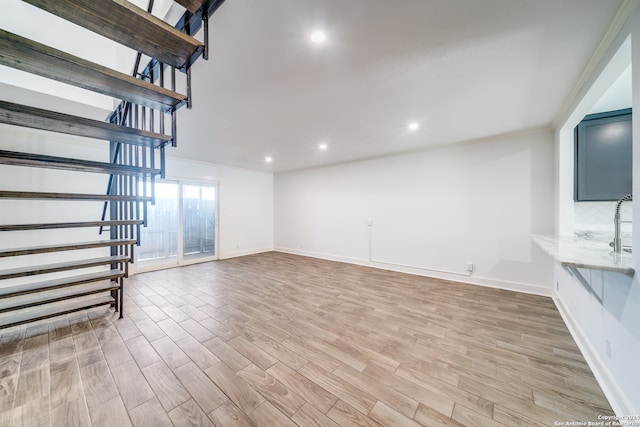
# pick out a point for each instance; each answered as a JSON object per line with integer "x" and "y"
{"x": 146, "y": 118}
{"x": 145, "y": 109}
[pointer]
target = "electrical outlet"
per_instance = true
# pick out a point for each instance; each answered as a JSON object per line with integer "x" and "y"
{"x": 469, "y": 267}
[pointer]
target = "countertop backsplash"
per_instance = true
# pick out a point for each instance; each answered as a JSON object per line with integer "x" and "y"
{"x": 594, "y": 221}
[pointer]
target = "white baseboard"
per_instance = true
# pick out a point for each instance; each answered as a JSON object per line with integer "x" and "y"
{"x": 235, "y": 254}
{"x": 616, "y": 397}
{"x": 472, "y": 280}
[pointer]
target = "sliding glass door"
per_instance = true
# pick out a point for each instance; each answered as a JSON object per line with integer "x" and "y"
{"x": 182, "y": 226}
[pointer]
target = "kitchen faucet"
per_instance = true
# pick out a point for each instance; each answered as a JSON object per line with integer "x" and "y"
{"x": 617, "y": 242}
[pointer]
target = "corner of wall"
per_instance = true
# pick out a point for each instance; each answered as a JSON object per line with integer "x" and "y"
{"x": 617, "y": 398}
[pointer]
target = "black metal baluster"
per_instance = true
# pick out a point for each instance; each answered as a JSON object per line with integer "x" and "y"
{"x": 189, "y": 105}
{"x": 152, "y": 154}
{"x": 163, "y": 163}
{"x": 136, "y": 190}
{"x": 205, "y": 24}
{"x": 145, "y": 206}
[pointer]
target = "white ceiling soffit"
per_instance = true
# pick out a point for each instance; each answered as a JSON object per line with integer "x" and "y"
{"x": 461, "y": 69}
{"x": 618, "y": 96}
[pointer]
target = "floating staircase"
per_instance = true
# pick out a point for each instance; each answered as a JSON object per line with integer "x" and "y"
{"x": 53, "y": 278}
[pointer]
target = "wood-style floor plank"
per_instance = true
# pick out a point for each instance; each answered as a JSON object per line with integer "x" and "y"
{"x": 227, "y": 354}
{"x": 388, "y": 416}
{"x": 252, "y": 352}
{"x": 9, "y": 373}
{"x": 307, "y": 415}
{"x": 98, "y": 384}
{"x": 110, "y": 413}
{"x": 170, "y": 352}
{"x": 168, "y": 389}
{"x": 311, "y": 392}
{"x": 204, "y": 391}
{"x": 234, "y": 387}
{"x": 346, "y": 415}
{"x": 189, "y": 414}
{"x": 397, "y": 401}
{"x": 150, "y": 414}
{"x": 431, "y": 418}
{"x": 197, "y": 352}
{"x": 359, "y": 399}
{"x": 277, "y": 339}
{"x": 34, "y": 413}
{"x": 66, "y": 384}
{"x": 143, "y": 353}
{"x": 228, "y": 414}
{"x": 267, "y": 415}
{"x": 273, "y": 390}
{"x": 71, "y": 413}
{"x": 133, "y": 387}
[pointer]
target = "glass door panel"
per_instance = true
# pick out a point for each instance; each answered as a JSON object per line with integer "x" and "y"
{"x": 199, "y": 227}
{"x": 159, "y": 240}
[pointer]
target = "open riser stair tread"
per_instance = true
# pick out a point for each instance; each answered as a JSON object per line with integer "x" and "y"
{"x": 38, "y": 118}
{"x": 34, "y": 270}
{"x": 32, "y": 195}
{"x": 47, "y": 285}
{"x": 65, "y": 247}
{"x": 33, "y": 57}
{"x": 191, "y": 5}
{"x": 47, "y": 311}
{"x": 58, "y": 225}
{"x": 129, "y": 25}
{"x": 16, "y": 158}
{"x": 55, "y": 295}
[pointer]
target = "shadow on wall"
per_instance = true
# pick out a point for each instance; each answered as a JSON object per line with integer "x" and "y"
{"x": 621, "y": 299}
{"x": 616, "y": 294}
{"x": 510, "y": 269}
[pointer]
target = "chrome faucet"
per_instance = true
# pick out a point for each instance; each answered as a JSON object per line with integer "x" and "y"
{"x": 617, "y": 242}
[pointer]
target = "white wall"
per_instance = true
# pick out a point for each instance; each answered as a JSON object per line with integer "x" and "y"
{"x": 602, "y": 310}
{"x": 605, "y": 324}
{"x": 432, "y": 212}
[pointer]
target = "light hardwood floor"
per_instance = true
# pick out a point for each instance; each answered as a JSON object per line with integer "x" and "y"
{"x": 282, "y": 340}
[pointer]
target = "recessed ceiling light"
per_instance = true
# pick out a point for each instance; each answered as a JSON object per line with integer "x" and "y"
{"x": 318, "y": 37}
{"x": 413, "y": 126}
{"x": 323, "y": 146}
{"x": 268, "y": 159}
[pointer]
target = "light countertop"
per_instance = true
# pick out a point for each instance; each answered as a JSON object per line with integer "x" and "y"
{"x": 585, "y": 253}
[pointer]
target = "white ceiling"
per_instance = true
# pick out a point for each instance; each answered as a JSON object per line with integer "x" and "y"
{"x": 464, "y": 69}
